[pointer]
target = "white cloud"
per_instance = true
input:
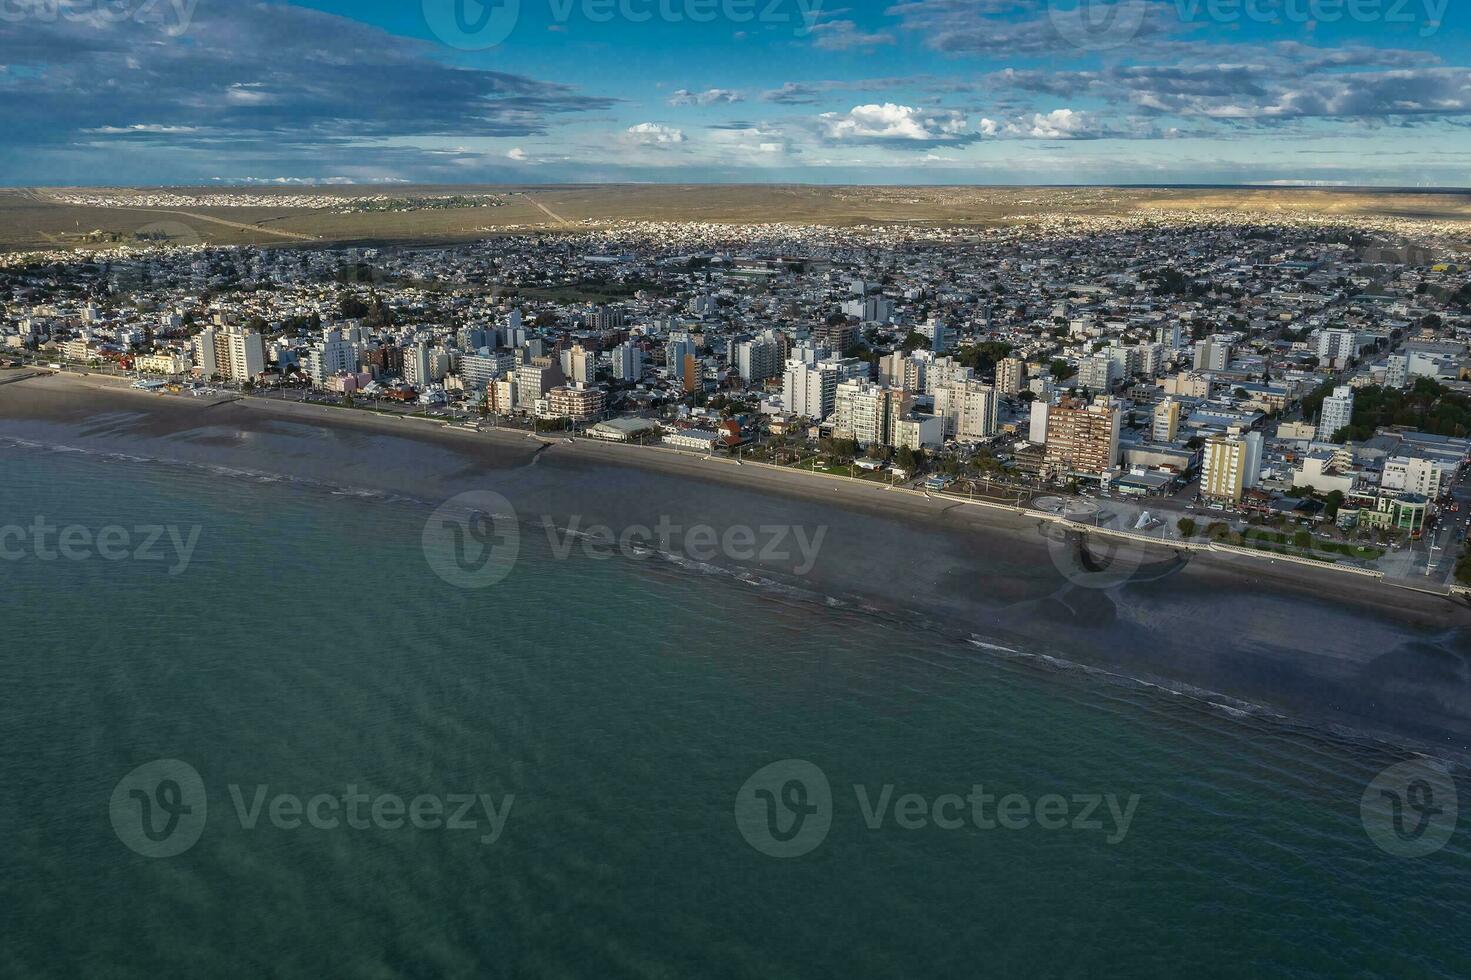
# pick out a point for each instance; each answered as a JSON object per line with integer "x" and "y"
{"x": 152, "y": 128}
{"x": 653, "y": 134}
{"x": 517, "y": 154}
{"x": 1059, "y": 124}
{"x": 891, "y": 122}
{"x": 711, "y": 96}
{"x": 841, "y": 35}
{"x": 248, "y": 93}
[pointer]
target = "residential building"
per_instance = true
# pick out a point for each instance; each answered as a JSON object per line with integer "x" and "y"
{"x": 759, "y": 358}
{"x": 1098, "y": 373}
{"x": 1397, "y": 374}
{"x": 232, "y": 352}
{"x": 161, "y": 362}
{"x": 1082, "y": 439}
{"x": 969, "y": 410}
{"x": 478, "y": 370}
{"x": 535, "y": 378}
{"x": 1212, "y": 354}
{"x": 1010, "y": 373}
{"x": 810, "y": 390}
{"x": 1412, "y": 474}
{"x": 1338, "y": 412}
{"x": 941, "y": 337}
{"x": 577, "y": 402}
{"x": 1166, "y": 421}
{"x": 628, "y": 362}
{"x": 861, "y": 411}
{"x": 1229, "y": 466}
{"x": 918, "y": 432}
{"x": 334, "y": 354}
{"x": 900, "y": 370}
{"x": 1337, "y": 346}
{"x": 581, "y": 364}
{"x": 500, "y": 395}
{"x": 418, "y": 370}
{"x": 1037, "y": 432}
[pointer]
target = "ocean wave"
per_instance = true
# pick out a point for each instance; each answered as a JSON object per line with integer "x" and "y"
{"x": 213, "y": 469}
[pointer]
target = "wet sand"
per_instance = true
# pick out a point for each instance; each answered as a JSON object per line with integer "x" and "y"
{"x": 1319, "y": 648}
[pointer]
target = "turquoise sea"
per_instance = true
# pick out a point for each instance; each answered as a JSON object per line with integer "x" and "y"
{"x": 621, "y": 706}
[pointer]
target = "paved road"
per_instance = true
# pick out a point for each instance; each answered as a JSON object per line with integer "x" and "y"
{"x": 199, "y": 217}
{"x": 548, "y": 211}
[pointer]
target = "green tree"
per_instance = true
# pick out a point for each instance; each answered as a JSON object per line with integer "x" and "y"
{"x": 915, "y": 341}
{"x": 1186, "y": 526}
{"x": 982, "y": 357}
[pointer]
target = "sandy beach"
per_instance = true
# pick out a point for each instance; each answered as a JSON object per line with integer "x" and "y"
{"x": 1320, "y": 649}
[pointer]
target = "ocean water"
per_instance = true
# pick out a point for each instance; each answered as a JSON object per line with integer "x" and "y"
{"x": 612, "y": 712}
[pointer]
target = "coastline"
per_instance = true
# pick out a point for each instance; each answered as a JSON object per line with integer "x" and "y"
{"x": 1332, "y": 650}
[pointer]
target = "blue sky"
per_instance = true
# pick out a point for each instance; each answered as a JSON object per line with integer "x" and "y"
{"x": 916, "y": 91}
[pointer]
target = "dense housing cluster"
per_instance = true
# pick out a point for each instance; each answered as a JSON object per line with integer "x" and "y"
{"x": 1243, "y": 371}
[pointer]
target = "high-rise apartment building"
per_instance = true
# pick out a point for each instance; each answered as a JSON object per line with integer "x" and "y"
{"x": 332, "y": 355}
{"x": 759, "y": 358}
{"x": 1230, "y": 465}
{"x": 1082, "y": 439}
{"x": 1166, "y": 421}
{"x": 628, "y": 362}
{"x": 1010, "y": 373}
{"x": 1337, "y": 345}
{"x": 969, "y": 410}
{"x": 1338, "y": 412}
{"x": 1212, "y": 354}
{"x": 535, "y": 378}
{"x": 232, "y": 352}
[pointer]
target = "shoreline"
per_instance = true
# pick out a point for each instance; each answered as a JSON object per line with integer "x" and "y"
{"x": 1334, "y": 652}
{"x": 780, "y": 479}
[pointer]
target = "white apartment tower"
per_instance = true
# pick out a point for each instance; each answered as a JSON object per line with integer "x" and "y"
{"x": 969, "y": 409}
{"x": 1338, "y": 412}
{"x": 628, "y": 362}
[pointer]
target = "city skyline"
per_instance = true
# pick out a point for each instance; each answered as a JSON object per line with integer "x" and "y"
{"x": 684, "y": 91}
